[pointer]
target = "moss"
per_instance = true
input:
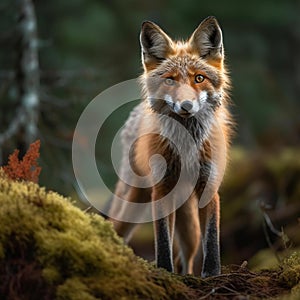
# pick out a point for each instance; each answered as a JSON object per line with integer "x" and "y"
{"x": 74, "y": 289}
{"x": 79, "y": 255}
{"x": 291, "y": 270}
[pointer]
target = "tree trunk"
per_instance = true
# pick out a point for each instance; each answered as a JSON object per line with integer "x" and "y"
{"x": 27, "y": 74}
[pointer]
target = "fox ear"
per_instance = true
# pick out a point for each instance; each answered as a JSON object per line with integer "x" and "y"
{"x": 207, "y": 40}
{"x": 155, "y": 44}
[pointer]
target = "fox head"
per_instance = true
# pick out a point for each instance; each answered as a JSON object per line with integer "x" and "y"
{"x": 185, "y": 79}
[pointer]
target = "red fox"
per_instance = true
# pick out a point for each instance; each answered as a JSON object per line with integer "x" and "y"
{"x": 183, "y": 83}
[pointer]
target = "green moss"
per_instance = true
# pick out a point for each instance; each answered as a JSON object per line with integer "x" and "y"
{"x": 291, "y": 270}
{"x": 79, "y": 254}
{"x": 74, "y": 289}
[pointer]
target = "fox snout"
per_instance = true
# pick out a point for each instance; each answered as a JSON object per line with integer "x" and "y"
{"x": 183, "y": 100}
{"x": 186, "y": 108}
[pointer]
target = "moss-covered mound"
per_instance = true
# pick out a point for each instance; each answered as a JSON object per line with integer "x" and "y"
{"x": 49, "y": 249}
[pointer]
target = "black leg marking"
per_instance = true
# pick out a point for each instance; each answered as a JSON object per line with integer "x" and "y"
{"x": 163, "y": 245}
{"x": 211, "y": 250}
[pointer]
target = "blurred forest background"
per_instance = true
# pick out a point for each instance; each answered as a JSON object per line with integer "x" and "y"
{"x": 51, "y": 71}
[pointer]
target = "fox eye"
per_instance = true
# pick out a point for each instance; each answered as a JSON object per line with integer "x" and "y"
{"x": 169, "y": 81}
{"x": 199, "y": 78}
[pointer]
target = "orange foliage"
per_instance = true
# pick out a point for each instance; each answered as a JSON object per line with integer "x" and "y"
{"x": 27, "y": 168}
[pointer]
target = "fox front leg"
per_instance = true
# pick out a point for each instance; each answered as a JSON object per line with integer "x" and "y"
{"x": 163, "y": 244}
{"x": 163, "y": 231}
{"x": 209, "y": 224}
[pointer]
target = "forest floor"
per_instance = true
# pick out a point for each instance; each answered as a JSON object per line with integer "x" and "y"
{"x": 50, "y": 249}
{"x": 239, "y": 283}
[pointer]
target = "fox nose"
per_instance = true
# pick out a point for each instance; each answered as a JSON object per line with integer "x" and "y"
{"x": 186, "y": 105}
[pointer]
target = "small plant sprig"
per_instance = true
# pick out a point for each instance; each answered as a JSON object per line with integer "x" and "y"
{"x": 26, "y": 168}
